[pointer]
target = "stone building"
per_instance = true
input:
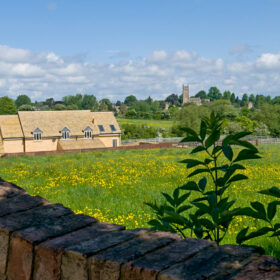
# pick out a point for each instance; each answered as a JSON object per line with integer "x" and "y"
{"x": 196, "y": 100}
{"x": 37, "y": 131}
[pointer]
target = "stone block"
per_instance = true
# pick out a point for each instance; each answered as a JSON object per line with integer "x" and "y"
{"x": 20, "y": 203}
{"x": 22, "y": 242}
{"x": 149, "y": 266}
{"x": 107, "y": 265}
{"x": 8, "y": 190}
{"x": 20, "y": 220}
{"x": 212, "y": 263}
{"x": 75, "y": 259}
{"x": 48, "y": 254}
{"x": 264, "y": 267}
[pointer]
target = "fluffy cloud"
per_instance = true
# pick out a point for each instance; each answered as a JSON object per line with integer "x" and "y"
{"x": 45, "y": 74}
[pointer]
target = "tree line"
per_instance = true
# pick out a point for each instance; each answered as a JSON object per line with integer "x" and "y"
{"x": 258, "y": 114}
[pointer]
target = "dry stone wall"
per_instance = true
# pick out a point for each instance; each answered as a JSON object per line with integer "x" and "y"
{"x": 44, "y": 241}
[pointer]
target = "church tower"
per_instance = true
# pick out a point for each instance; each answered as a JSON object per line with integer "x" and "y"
{"x": 186, "y": 96}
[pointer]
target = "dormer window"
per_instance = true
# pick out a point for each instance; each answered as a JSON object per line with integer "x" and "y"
{"x": 65, "y": 132}
{"x": 88, "y": 132}
{"x": 113, "y": 127}
{"x": 37, "y": 134}
{"x": 101, "y": 128}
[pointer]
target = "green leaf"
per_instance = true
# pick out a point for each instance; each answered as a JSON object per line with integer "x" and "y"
{"x": 201, "y": 206}
{"x": 237, "y": 177}
{"x": 274, "y": 191}
{"x": 271, "y": 210}
{"x": 198, "y": 171}
{"x": 190, "y": 139}
{"x": 169, "y": 198}
{"x": 176, "y": 193}
{"x": 202, "y": 184}
{"x": 212, "y": 138}
{"x": 258, "y": 233}
{"x": 246, "y": 154}
{"x": 207, "y": 223}
{"x": 203, "y": 129}
{"x": 227, "y": 150}
{"x": 182, "y": 198}
{"x": 190, "y": 131}
{"x": 190, "y": 186}
{"x": 259, "y": 208}
{"x": 192, "y": 162}
{"x": 245, "y": 144}
{"x": 241, "y": 134}
{"x": 241, "y": 235}
{"x": 183, "y": 208}
{"x": 216, "y": 150}
{"x": 226, "y": 140}
{"x": 197, "y": 149}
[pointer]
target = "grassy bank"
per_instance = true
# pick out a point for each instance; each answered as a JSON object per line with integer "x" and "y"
{"x": 152, "y": 123}
{"x": 113, "y": 185}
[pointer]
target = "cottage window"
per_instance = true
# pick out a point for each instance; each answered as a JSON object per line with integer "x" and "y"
{"x": 88, "y": 134}
{"x": 37, "y": 134}
{"x": 113, "y": 128}
{"x": 101, "y": 128}
{"x": 65, "y": 132}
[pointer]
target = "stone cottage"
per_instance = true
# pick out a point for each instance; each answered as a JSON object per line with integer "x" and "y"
{"x": 37, "y": 131}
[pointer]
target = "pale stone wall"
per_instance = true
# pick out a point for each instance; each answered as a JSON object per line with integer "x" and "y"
{"x": 108, "y": 140}
{"x": 13, "y": 146}
{"x": 40, "y": 146}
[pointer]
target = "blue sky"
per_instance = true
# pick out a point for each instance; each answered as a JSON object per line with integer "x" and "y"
{"x": 114, "y": 48}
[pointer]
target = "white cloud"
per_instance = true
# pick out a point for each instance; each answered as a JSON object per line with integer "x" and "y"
{"x": 46, "y": 74}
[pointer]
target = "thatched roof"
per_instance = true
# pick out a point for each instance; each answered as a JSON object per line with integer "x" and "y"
{"x": 10, "y": 126}
{"x": 80, "y": 144}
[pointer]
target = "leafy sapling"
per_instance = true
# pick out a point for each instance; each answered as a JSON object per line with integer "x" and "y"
{"x": 210, "y": 214}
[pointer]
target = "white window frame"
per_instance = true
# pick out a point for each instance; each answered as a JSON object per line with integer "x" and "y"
{"x": 65, "y": 135}
{"x": 88, "y": 134}
{"x": 37, "y": 136}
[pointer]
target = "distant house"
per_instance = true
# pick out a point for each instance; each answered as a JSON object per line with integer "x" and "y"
{"x": 36, "y": 131}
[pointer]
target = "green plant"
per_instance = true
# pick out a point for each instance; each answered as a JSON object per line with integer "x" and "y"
{"x": 258, "y": 211}
{"x": 210, "y": 214}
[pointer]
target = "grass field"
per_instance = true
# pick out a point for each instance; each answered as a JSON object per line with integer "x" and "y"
{"x": 152, "y": 123}
{"x": 113, "y": 185}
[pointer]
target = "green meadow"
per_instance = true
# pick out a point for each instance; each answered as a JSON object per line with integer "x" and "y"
{"x": 113, "y": 185}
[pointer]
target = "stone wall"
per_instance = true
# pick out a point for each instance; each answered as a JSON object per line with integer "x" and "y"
{"x": 140, "y": 147}
{"x": 44, "y": 241}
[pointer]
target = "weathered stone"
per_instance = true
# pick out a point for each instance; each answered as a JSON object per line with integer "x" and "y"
{"x": 264, "y": 267}
{"x": 63, "y": 225}
{"x": 8, "y": 190}
{"x": 74, "y": 260}
{"x": 151, "y": 264}
{"x": 19, "y": 220}
{"x": 48, "y": 254}
{"x": 23, "y": 242}
{"x": 4, "y": 245}
{"x": 31, "y": 217}
{"x": 20, "y": 203}
{"x": 107, "y": 265}
{"x": 212, "y": 263}
{"x": 20, "y": 260}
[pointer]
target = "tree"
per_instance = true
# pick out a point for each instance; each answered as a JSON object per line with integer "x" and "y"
{"x": 172, "y": 99}
{"x": 59, "y": 107}
{"x": 118, "y": 103}
{"x": 227, "y": 95}
{"x": 7, "y": 106}
{"x": 26, "y": 107}
{"x": 232, "y": 98}
{"x": 245, "y": 98}
{"x": 149, "y": 100}
{"x": 22, "y": 99}
{"x": 129, "y": 100}
{"x": 252, "y": 98}
{"x": 202, "y": 94}
{"x": 49, "y": 102}
{"x": 73, "y": 99}
{"x": 214, "y": 93}
{"x": 89, "y": 102}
